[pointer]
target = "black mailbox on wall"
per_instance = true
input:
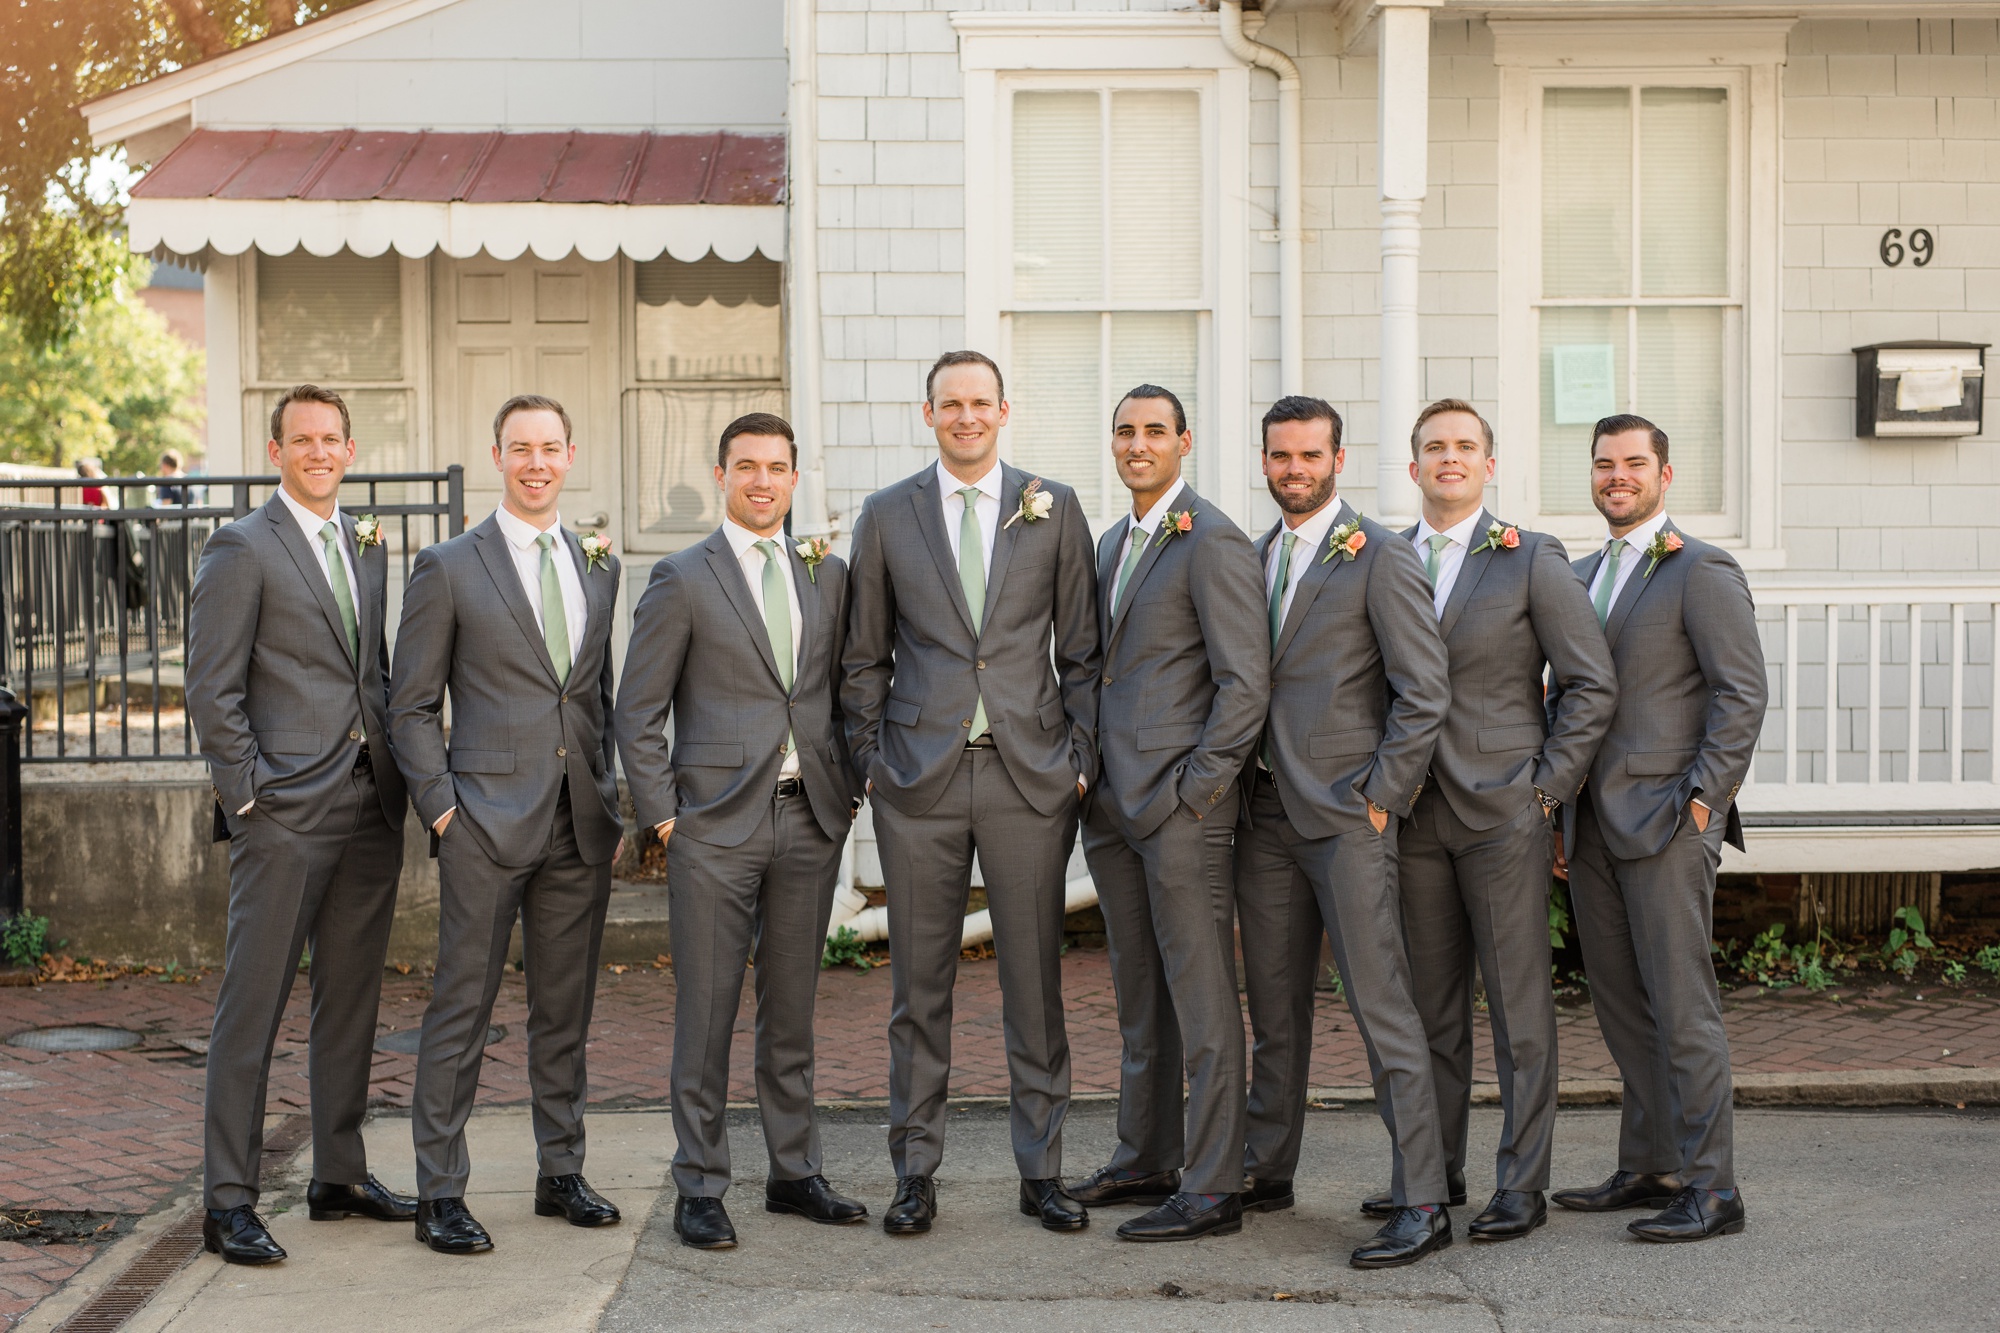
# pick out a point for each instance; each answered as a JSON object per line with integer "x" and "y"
{"x": 1915, "y": 389}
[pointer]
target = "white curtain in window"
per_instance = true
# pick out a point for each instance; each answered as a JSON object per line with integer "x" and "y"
{"x": 1585, "y": 368}
{"x": 1156, "y": 203}
{"x": 1586, "y": 192}
{"x": 1680, "y": 384}
{"x": 329, "y": 320}
{"x": 1056, "y": 424}
{"x": 674, "y": 447}
{"x": 1058, "y": 196}
{"x": 1684, "y": 192}
{"x": 709, "y": 320}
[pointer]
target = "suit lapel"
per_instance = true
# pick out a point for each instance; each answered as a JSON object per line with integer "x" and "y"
{"x": 1155, "y": 548}
{"x": 1318, "y": 570}
{"x": 1107, "y": 572}
{"x": 1470, "y": 570}
{"x": 1004, "y": 535}
{"x": 729, "y": 573}
{"x": 929, "y": 506}
{"x": 296, "y": 546}
{"x": 364, "y": 574}
{"x": 1635, "y": 588}
{"x": 597, "y": 601}
{"x": 500, "y": 566}
{"x": 811, "y": 608}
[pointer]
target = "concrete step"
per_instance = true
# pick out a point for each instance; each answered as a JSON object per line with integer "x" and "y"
{"x": 635, "y": 926}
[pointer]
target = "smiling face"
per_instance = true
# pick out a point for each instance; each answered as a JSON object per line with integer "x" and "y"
{"x": 1147, "y": 449}
{"x": 966, "y": 413}
{"x": 533, "y": 458}
{"x": 1300, "y": 463}
{"x": 313, "y": 456}
{"x": 757, "y": 485}
{"x": 1628, "y": 483}
{"x": 1451, "y": 468}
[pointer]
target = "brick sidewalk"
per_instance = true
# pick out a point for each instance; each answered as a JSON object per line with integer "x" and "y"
{"x": 121, "y": 1132}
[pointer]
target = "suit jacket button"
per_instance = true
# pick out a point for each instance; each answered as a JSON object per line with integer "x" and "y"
{"x": 966, "y": 723}
{"x": 354, "y": 735}
{"x": 1107, "y": 680}
{"x": 562, "y": 752}
{"x": 565, "y": 698}
{"x": 981, "y": 664}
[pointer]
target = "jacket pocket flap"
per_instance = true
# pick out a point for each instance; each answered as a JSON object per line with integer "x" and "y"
{"x": 1332, "y": 744}
{"x": 1659, "y": 763}
{"x": 481, "y": 761}
{"x": 288, "y": 742}
{"x": 1495, "y": 740}
{"x": 902, "y": 712}
{"x": 1172, "y": 736}
{"x": 708, "y": 754}
{"x": 1052, "y": 715}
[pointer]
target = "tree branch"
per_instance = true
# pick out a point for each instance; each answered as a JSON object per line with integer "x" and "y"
{"x": 199, "y": 26}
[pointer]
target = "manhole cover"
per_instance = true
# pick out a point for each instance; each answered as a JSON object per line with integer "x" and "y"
{"x": 87, "y": 1038}
{"x": 405, "y": 1042}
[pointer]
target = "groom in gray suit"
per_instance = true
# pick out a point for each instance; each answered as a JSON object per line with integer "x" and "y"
{"x": 1359, "y": 688}
{"x": 738, "y": 640}
{"x": 286, "y": 688}
{"x": 1646, "y": 834}
{"x": 512, "y": 620}
{"x": 1476, "y": 851}
{"x": 970, "y": 695}
{"x": 1186, "y": 682}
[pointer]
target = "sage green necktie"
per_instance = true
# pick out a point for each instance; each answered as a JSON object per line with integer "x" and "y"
{"x": 1609, "y": 583}
{"x": 555, "y": 624}
{"x": 343, "y": 596}
{"x": 1284, "y": 575}
{"x": 1132, "y": 559}
{"x": 778, "y": 619}
{"x": 1431, "y": 562}
{"x": 972, "y": 580}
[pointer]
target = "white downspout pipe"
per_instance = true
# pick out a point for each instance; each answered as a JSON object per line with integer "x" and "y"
{"x": 1403, "y": 135}
{"x": 1291, "y": 172}
{"x": 802, "y": 264}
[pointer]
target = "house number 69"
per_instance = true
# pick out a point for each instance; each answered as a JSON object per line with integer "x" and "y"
{"x": 1891, "y": 249}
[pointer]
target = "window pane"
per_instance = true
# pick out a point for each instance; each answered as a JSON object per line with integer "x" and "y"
{"x": 1583, "y": 376}
{"x": 1680, "y": 390}
{"x": 710, "y": 320}
{"x": 1156, "y": 227}
{"x": 1058, "y": 204}
{"x": 675, "y": 448}
{"x": 1684, "y": 191}
{"x": 1164, "y": 349}
{"x": 1586, "y": 192}
{"x": 330, "y": 320}
{"x": 1056, "y": 424}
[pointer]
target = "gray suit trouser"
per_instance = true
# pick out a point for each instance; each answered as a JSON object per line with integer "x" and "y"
{"x": 1169, "y": 915}
{"x": 1484, "y": 893}
{"x": 1646, "y": 928}
{"x": 769, "y": 897}
{"x": 333, "y": 889}
{"x": 560, "y": 902}
{"x": 927, "y": 870}
{"x": 1286, "y": 885}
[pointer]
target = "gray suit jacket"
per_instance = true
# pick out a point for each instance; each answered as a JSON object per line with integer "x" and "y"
{"x": 1359, "y": 683}
{"x": 1187, "y": 671}
{"x": 1691, "y": 697}
{"x": 277, "y": 699}
{"x": 700, "y": 652}
{"x": 1510, "y": 613}
{"x": 915, "y": 663}
{"x": 516, "y": 733}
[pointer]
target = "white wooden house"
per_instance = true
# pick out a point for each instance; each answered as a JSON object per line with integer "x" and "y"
{"x": 666, "y": 212}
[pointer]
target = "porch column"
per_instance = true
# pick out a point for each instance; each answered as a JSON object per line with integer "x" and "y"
{"x": 1403, "y": 139}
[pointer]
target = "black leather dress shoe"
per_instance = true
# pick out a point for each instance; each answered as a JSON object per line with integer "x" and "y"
{"x": 572, "y": 1197}
{"x": 328, "y": 1202}
{"x": 1105, "y": 1186}
{"x": 1058, "y": 1211}
{"x": 448, "y": 1226}
{"x": 1510, "y": 1213}
{"x": 1624, "y": 1189}
{"x": 703, "y": 1224}
{"x": 1267, "y": 1196}
{"x": 812, "y": 1198}
{"x": 239, "y": 1236}
{"x": 1186, "y": 1217}
{"x": 1695, "y": 1214}
{"x": 915, "y": 1207}
{"x": 1384, "y": 1205}
{"x": 1410, "y": 1235}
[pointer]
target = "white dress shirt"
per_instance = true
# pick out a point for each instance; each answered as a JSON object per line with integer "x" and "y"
{"x": 1142, "y": 528}
{"x": 1311, "y": 546}
{"x": 986, "y": 508}
{"x": 1451, "y": 559}
{"x": 1629, "y": 561}
{"x": 744, "y": 543}
{"x": 527, "y": 553}
{"x": 311, "y": 523}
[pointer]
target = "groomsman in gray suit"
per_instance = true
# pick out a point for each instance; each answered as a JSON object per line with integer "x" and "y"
{"x": 1476, "y": 851}
{"x": 970, "y": 696}
{"x": 1646, "y": 834}
{"x": 738, "y": 640}
{"x": 512, "y": 620}
{"x": 1187, "y": 677}
{"x": 286, "y": 688}
{"x": 1359, "y": 689}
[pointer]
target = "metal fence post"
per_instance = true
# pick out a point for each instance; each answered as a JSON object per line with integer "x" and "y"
{"x": 239, "y": 495}
{"x": 13, "y": 719}
{"x": 454, "y": 490}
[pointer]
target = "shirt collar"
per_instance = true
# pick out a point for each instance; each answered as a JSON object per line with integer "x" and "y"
{"x": 1460, "y": 532}
{"x": 989, "y": 485}
{"x": 307, "y": 519}
{"x": 520, "y": 533}
{"x": 1312, "y": 532}
{"x": 1150, "y": 523}
{"x": 741, "y": 539}
{"x": 1642, "y": 536}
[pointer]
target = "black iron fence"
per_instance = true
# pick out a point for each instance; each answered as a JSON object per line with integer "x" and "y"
{"x": 94, "y": 597}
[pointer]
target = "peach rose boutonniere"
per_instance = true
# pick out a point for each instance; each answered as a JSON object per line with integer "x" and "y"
{"x": 1664, "y": 544}
{"x": 367, "y": 532}
{"x": 1174, "y": 524}
{"x": 1345, "y": 541}
{"x": 1499, "y": 537}
{"x": 596, "y": 550}
{"x": 812, "y": 551}
{"x": 1035, "y": 504}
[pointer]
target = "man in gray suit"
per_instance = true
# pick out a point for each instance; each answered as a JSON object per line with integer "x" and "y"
{"x": 285, "y": 686}
{"x": 1186, "y": 681}
{"x": 1646, "y": 834}
{"x": 970, "y": 696}
{"x": 512, "y": 620}
{"x": 1476, "y": 851}
{"x": 738, "y": 639}
{"x": 1359, "y": 689}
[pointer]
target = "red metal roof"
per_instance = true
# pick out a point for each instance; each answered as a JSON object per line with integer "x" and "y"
{"x": 493, "y": 168}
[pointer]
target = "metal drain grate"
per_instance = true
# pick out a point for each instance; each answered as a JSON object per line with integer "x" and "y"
{"x": 90, "y": 1037}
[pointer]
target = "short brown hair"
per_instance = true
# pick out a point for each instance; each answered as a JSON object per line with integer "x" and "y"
{"x": 756, "y": 423}
{"x": 1299, "y": 407}
{"x": 171, "y": 458}
{"x": 1444, "y": 405}
{"x": 1623, "y": 422}
{"x": 309, "y": 393}
{"x": 528, "y": 402}
{"x": 964, "y": 358}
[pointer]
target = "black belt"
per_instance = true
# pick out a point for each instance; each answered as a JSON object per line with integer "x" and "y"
{"x": 981, "y": 742}
{"x": 1266, "y": 775}
{"x": 789, "y": 787}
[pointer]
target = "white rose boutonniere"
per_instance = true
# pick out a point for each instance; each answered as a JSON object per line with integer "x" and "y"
{"x": 811, "y": 551}
{"x": 1035, "y": 504}
{"x": 596, "y": 550}
{"x": 367, "y": 532}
